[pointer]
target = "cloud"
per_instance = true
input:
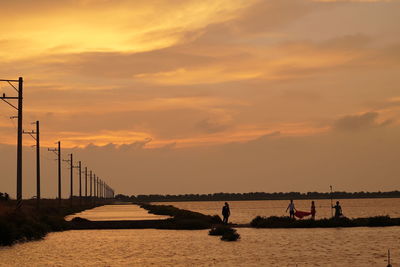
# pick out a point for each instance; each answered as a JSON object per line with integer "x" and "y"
{"x": 218, "y": 121}
{"x": 75, "y": 26}
{"x": 206, "y": 96}
{"x": 271, "y": 163}
{"x": 363, "y": 121}
{"x": 359, "y": 1}
{"x": 265, "y": 16}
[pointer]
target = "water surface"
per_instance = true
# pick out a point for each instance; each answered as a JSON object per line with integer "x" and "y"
{"x": 245, "y": 211}
{"x": 257, "y": 247}
{"x": 116, "y": 213}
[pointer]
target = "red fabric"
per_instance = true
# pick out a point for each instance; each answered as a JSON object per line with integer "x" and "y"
{"x": 300, "y": 214}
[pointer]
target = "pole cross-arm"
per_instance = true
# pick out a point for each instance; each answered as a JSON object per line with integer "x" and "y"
{"x": 8, "y": 80}
{"x": 4, "y": 99}
{"x": 31, "y": 133}
{"x": 12, "y": 85}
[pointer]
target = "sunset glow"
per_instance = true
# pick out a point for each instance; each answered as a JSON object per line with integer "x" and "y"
{"x": 193, "y": 75}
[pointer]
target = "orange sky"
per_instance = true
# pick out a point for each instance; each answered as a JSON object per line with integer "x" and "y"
{"x": 195, "y": 75}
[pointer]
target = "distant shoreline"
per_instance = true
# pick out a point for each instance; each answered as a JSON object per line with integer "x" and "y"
{"x": 257, "y": 196}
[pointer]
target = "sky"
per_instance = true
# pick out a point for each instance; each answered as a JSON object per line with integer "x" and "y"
{"x": 176, "y": 97}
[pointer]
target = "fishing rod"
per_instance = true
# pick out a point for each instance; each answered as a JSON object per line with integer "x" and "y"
{"x": 331, "y": 202}
{"x": 389, "y": 264}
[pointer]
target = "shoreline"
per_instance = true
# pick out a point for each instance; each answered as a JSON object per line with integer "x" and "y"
{"x": 189, "y": 220}
{"x": 265, "y": 199}
{"x": 30, "y": 223}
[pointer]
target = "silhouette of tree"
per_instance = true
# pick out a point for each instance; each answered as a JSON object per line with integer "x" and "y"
{"x": 257, "y": 196}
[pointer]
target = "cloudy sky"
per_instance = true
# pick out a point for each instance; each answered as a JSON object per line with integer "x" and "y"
{"x": 206, "y": 96}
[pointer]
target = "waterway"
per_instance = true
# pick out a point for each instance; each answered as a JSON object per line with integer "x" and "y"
{"x": 257, "y": 247}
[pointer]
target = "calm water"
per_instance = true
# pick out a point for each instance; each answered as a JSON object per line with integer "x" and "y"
{"x": 116, "y": 213}
{"x": 245, "y": 211}
{"x": 257, "y": 247}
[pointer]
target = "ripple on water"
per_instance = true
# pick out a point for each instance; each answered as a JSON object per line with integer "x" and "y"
{"x": 257, "y": 247}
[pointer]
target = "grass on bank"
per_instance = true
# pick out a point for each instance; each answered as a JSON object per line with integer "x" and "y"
{"x": 182, "y": 219}
{"x": 226, "y": 232}
{"x": 190, "y": 220}
{"x": 30, "y": 223}
{"x": 287, "y": 222}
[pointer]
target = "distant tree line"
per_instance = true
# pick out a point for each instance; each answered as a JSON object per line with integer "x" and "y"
{"x": 257, "y": 196}
{"x": 4, "y": 197}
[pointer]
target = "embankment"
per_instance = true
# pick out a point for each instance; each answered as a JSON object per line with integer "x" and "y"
{"x": 180, "y": 220}
{"x": 286, "y": 222}
{"x": 30, "y": 223}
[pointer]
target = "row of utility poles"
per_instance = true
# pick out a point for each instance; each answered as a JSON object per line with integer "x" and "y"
{"x": 98, "y": 188}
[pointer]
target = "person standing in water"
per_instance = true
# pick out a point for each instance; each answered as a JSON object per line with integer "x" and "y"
{"x": 313, "y": 211}
{"x": 291, "y": 209}
{"x": 338, "y": 210}
{"x": 226, "y": 212}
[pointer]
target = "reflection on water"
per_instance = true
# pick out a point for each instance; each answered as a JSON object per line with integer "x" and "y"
{"x": 115, "y": 213}
{"x": 245, "y": 211}
{"x": 257, "y": 247}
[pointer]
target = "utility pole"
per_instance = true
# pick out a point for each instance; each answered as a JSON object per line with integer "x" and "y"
{"x": 58, "y": 153}
{"x": 36, "y": 137}
{"x": 94, "y": 185}
{"x": 71, "y": 173}
{"x": 72, "y": 178}
{"x": 98, "y": 187}
{"x": 102, "y": 189}
{"x": 91, "y": 182}
{"x": 80, "y": 182}
{"x": 19, "y": 131}
{"x": 85, "y": 182}
{"x": 37, "y": 164}
{"x": 59, "y": 172}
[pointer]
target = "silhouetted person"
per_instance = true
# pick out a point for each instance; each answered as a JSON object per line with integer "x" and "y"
{"x": 313, "y": 211}
{"x": 291, "y": 209}
{"x": 338, "y": 210}
{"x": 226, "y": 212}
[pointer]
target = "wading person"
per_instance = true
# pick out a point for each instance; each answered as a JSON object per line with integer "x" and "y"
{"x": 226, "y": 212}
{"x": 338, "y": 210}
{"x": 291, "y": 209}
{"x": 313, "y": 211}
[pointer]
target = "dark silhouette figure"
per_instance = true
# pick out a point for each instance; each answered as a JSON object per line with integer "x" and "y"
{"x": 226, "y": 212}
{"x": 313, "y": 211}
{"x": 291, "y": 209}
{"x": 338, "y": 210}
{"x": 4, "y": 197}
